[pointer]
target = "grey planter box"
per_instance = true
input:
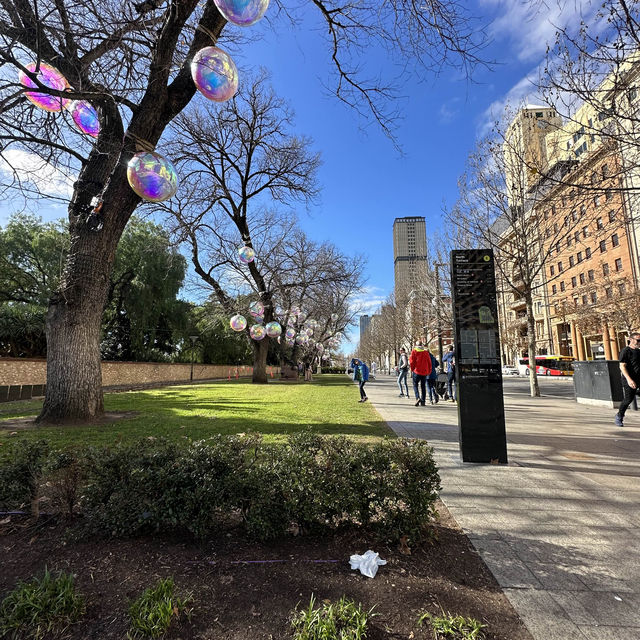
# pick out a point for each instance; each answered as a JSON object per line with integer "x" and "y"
{"x": 597, "y": 382}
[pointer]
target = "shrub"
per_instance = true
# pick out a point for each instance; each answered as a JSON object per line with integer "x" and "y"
{"x": 447, "y": 627}
{"x": 65, "y": 474}
{"x": 343, "y": 620}
{"x": 152, "y": 613}
{"x": 44, "y": 605}
{"x": 21, "y": 475}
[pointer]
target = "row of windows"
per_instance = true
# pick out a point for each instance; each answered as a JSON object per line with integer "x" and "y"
{"x": 578, "y": 258}
{"x": 592, "y": 297}
{"x": 590, "y": 276}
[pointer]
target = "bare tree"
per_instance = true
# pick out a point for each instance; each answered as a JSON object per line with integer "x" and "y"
{"x": 131, "y": 61}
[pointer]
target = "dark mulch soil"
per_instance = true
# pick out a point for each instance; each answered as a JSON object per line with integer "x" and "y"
{"x": 237, "y": 595}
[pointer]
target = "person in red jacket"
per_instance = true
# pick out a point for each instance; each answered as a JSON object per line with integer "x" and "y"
{"x": 420, "y": 363}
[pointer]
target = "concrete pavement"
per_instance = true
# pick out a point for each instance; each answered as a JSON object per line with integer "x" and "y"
{"x": 557, "y": 526}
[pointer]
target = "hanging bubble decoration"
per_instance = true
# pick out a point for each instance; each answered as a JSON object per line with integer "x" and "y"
{"x": 308, "y": 331}
{"x": 334, "y": 317}
{"x": 238, "y": 322}
{"x": 50, "y": 77}
{"x": 152, "y": 176}
{"x": 257, "y": 331}
{"x": 295, "y": 311}
{"x": 320, "y": 347}
{"x": 273, "y": 329}
{"x": 244, "y": 13}
{"x": 246, "y": 254}
{"x": 256, "y": 309}
{"x": 290, "y": 333}
{"x": 85, "y": 117}
{"x": 302, "y": 316}
{"x": 215, "y": 75}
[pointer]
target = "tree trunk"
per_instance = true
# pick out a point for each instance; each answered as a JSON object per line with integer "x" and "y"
{"x": 531, "y": 340}
{"x": 260, "y": 350}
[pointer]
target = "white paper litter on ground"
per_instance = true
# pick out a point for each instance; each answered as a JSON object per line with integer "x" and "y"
{"x": 367, "y": 563}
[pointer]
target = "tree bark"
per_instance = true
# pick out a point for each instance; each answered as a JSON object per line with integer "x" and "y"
{"x": 260, "y": 349}
{"x": 531, "y": 340}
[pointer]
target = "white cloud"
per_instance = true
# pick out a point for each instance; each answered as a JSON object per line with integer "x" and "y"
{"x": 449, "y": 111}
{"x": 39, "y": 175}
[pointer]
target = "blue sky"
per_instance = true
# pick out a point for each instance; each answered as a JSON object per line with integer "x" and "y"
{"x": 365, "y": 182}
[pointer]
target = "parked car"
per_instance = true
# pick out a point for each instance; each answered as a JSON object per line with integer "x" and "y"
{"x": 510, "y": 371}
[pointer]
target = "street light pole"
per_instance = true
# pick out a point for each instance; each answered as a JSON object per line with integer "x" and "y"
{"x": 193, "y": 345}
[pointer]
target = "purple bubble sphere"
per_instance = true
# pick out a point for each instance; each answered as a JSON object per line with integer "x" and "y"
{"x": 256, "y": 309}
{"x": 50, "y": 77}
{"x": 257, "y": 331}
{"x": 246, "y": 254}
{"x": 214, "y": 74}
{"x": 85, "y": 117}
{"x": 152, "y": 176}
{"x": 244, "y": 13}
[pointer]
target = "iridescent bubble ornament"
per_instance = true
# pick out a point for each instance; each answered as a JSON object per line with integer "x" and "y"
{"x": 257, "y": 331}
{"x": 290, "y": 333}
{"x": 238, "y": 322}
{"x": 85, "y": 117}
{"x": 256, "y": 309}
{"x": 152, "y": 176}
{"x": 273, "y": 329}
{"x": 50, "y": 77}
{"x": 244, "y": 13}
{"x": 334, "y": 317}
{"x": 214, "y": 73}
{"x": 246, "y": 254}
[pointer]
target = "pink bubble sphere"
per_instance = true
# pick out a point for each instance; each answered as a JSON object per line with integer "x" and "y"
{"x": 50, "y": 77}
{"x": 290, "y": 333}
{"x": 257, "y": 331}
{"x": 238, "y": 322}
{"x": 152, "y": 176}
{"x": 215, "y": 74}
{"x": 273, "y": 329}
{"x": 243, "y": 13}
{"x": 85, "y": 117}
{"x": 256, "y": 309}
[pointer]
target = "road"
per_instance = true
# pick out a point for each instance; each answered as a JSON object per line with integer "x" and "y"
{"x": 551, "y": 387}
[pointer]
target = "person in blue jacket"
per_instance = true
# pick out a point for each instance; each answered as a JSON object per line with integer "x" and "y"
{"x": 431, "y": 380}
{"x": 360, "y": 375}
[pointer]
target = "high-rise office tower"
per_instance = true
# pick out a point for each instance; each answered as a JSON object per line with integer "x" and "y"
{"x": 409, "y": 253}
{"x": 365, "y": 321}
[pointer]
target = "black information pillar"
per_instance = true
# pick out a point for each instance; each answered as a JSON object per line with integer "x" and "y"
{"x": 478, "y": 373}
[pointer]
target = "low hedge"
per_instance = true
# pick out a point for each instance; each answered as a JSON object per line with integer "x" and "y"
{"x": 312, "y": 483}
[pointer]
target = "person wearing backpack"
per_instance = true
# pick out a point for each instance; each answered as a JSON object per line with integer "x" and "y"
{"x": 360, "y": 375}
{"x": 420, "y": 363}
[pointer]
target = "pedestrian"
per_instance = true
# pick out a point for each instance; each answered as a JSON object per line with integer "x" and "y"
{"x": 420, "y": 363}
{"x": 374, "y": 368}
{"x": 403, "y": 369}
{"x": 630, "y": 372}
{"x": 431, "y": 380}
{"x": 449, "y": 361}
{"x": 360, "y": 375}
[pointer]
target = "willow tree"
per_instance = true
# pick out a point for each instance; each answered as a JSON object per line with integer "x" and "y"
{"x": 131, "y": 61}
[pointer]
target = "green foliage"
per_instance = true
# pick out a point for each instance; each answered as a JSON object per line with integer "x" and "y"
{"x": 342, "y": 620}
{"x": 42, "y": 606}
{"x": 65, "y": 473}
{"x": 21, "y": 474}
{"x": 448, "y": 626}
{"x": 152, "y": 613}
{"x": 22, "y": 332}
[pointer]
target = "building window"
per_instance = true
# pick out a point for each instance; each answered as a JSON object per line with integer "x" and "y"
{"x": 608, "y": 292}
{"x": 560, "y": 267}
{"x": 590, "y": 275}
{"x": 605, "y": 269}
{"x": 575, "y": 301}
{"x": 579, "y": 257}
{"x": 548, "y": 233}
{"x": 599, "y": 224}
{"x": 555, "y": 309}
{"x": 555, "y": 227}
{"x": 552, "y": 270}
{"x": 582, "y": 280}
{"x": 584, "y": 299}
{"x": 558, "y": 246}
{"x": 568, "y": 241}
{"x": 621, "y": 287}
{"x": 618, "y": 264}
{"x": 574, "y": 215}
{"x": 603, "y": 246}
{"x": 612, "y": 215}
{"x": 597, "y": 200}
{"x": 587, "y": 252}
{"x": 566, "y": 221}
{"x": 608, "y": 195}
{"x": 585, "y": 232}
{"x": 554, "y": 289}
{"x": 615, "y": 241}
{"x": 594, "y": 178}
{"x": 562, "y": 286}
{"x": 583, "y": 210}
{"x": 553, "y": 209}
{"x": 576, "y": 236}
{"x": 594, "y": 297}
{"x": 574, "y": 282}
{"x": 571, "y": 261}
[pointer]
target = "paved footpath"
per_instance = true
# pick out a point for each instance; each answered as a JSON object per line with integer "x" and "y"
{"x": 559, "y": 525}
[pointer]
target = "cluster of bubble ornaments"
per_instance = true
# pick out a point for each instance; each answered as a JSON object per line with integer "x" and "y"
{"x": 246, "y": 254}
{"x": 85, "y": 117}
{"x": 215, "y": 74}
{"x": 152, "y": 176}
{"x": 244, "y": 13}
{"x": 256, "y": 309}
{"x": 257, "y": 331}
{"x": 50, "y": 77}
{"x": 273, "y": 329}
{"x": 238, "y": 322}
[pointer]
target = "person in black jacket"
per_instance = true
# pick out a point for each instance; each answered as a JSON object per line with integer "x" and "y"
{"x": 630, "y": 371}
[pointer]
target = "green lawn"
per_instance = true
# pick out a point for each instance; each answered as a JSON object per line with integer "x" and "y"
{"x": 328, "y": 405}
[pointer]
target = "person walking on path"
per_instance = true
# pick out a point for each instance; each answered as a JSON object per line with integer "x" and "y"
{"x": 360, "y": 375}
{"x": 403, "y": 369}
{"x": 449, "y": 362}
{"x": 630, "y": 371}
{"x": 431, "y": 380}
{"x": 420, "y": 363}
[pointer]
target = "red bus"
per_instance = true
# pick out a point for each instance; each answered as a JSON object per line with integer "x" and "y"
{"x": 548, "y": 366}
